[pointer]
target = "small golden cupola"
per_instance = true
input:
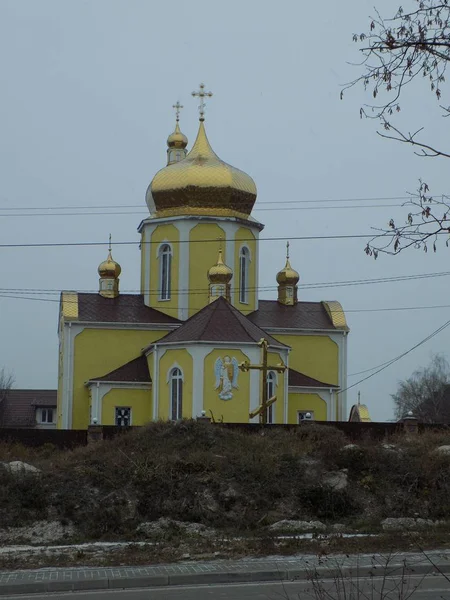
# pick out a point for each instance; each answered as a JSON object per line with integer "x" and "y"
{"x": 287, "y": 280}
{"x": 219, "y": 277}
{"x": 177, "y": 141}
{"x": 201, "y": 183}
{"x": 109, "y": 271}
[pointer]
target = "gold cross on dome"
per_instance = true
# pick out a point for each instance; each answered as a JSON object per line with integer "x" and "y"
{"x": 287, "y": 250}
{"x": 202, "y": 95}
{"x": 177, "y": 108}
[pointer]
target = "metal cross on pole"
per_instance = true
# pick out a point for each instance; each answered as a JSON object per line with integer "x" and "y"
{"x": 264, "y": 367}
{"x": 177, "y": 108}
{"x": 202, "y": 95}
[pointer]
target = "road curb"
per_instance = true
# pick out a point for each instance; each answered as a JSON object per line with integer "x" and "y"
{"x": 236, "y": 576}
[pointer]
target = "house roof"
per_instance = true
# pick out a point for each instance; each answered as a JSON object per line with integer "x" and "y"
{"x": 134, "y": 371}
{"x": 219, "y": 322}
{"x": 126, "y": 308}
{"x": 303, "y": 315}
{"x": 18, "y": 409}
{"x": 297, "y": 379}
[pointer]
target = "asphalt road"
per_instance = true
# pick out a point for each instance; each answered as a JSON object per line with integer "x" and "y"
{"x": 431, "y": 587}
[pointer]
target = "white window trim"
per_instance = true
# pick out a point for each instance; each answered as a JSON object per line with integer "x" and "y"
{"x": 274, "y": 378}
{"x": 244, "y": 297}
{"x": 39, "y": 412}
{"x": 160, "y": 252}
{"x": 170, "y": 381}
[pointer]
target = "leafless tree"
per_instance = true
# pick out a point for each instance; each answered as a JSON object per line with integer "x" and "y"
{"x": 6, "y": 383}
{"x": 411, "y": 45}
{"x": 426, "y": 393}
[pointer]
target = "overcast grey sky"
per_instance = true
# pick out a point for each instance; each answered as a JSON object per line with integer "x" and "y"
{"x": 85, "y": 108}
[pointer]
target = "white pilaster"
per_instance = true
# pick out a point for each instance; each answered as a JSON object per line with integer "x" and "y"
{"x": 198, "y": 359}
{"x": 184, "y": 228}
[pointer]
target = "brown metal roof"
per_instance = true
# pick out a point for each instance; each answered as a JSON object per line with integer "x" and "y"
{"x": 134, "y": 371}
{"x": 304, "y": 315}
{"x": 18, "y": 409}
{"x": 126, "y": 308}
{"x": 297, "y": 379}
{"x": 219, "y": 322}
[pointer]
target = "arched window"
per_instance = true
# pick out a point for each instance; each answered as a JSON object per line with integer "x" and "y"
{"x": 165, "y": 268}
{"x": 176, "y": 394}
{"x": 271, "y": 385}
{"x": 244, "y": 262}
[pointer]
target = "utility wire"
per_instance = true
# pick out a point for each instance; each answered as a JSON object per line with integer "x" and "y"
{"x": 304, "y": 286}
{"x": 397, "y": 358}
{"x": 308, "y": 311}
{"x": 204, "y": 241}
{"x": 259, "y": 202}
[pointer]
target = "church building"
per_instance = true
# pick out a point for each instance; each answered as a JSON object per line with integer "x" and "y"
{"x": 198, "y": 340}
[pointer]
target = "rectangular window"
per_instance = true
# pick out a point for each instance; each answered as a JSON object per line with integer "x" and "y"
{"x": 45, "y": 416}
{"x": 177, "y": 398}
{"x": 305, "y": 415}
{"x": 123, "y": 416}
{"x": 243, "y": 280}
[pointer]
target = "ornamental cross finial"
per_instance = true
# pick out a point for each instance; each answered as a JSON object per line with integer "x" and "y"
{"x": 177, "y": 108}
{"x": 287, "y": 250}
{"x": 202, "y": 95}
{"x": 109, "y": 243}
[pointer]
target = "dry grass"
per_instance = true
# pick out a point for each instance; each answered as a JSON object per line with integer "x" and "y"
{"x": 227, "y": 479}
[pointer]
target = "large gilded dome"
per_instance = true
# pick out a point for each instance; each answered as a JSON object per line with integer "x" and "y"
{"x": 201, "y": 184}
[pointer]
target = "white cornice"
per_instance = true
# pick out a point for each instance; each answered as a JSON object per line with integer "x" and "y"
{"x": 300, "y": 331}
{"x": 209, "y": 219}
{"x": 119, "y": 325}
{"x": 213, "y": 344}
{"x": 300, "y": 388}
{"x": 123, "y": 384}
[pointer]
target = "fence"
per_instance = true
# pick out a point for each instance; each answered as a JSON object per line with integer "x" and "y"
{"x": 69, "y": 438}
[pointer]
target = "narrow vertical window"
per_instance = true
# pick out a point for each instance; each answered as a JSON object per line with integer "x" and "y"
{"x": 271, "y": 384}
{"x": 244, "y": 260}
{"x": 165, "y": 264}
{"x": 176, "y": 394}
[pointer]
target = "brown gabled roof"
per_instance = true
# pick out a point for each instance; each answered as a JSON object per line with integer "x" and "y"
{"x": 297, "y": 379}
{"x": 18, "y": 409}
{"x": 219, "y": 322}
{"x": 303, "y": 315}
{"x": 126, "y": 308}
{"x": 135, "y": 371}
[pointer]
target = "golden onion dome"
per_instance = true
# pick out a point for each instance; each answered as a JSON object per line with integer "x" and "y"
{"x": 202, "y": 184}
{"x": 288, "y": 275}
{"x": 177, "y": 139}
{"x": 109, "y": 268}
{"x": 220, "y": 272}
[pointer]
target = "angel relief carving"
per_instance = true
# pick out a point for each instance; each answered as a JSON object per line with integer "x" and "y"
{"x": 226, "y": 371}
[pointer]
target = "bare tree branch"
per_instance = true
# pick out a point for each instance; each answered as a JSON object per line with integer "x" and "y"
{"x": 396, "y": 51}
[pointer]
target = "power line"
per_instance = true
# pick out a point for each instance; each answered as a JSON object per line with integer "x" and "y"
{"x": 23, "y": 296}
{"x": 130, "y": 212}
{"x": 397, "y": 358}
{"x": 204, "y": 241}
{"x": 203, "y": 290}
{"x": 314, "y": 201}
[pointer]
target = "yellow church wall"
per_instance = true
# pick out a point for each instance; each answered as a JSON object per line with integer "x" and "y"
{"x": 202, "y": 256}
{"x": 245, "y": 237}
{"x": 170, "y": 234}
{"x": 97, "y": 352}
{"x": 314, "y": 355}
{"x": 140, "y": 402}
{"x": 182, "y": 359}
{"x": 235, "y": 410}
{"x": 144, "y": 266}
{"x": 306, "y": 402}
{"x": 60, "y": 389}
